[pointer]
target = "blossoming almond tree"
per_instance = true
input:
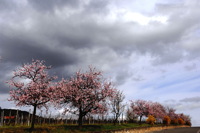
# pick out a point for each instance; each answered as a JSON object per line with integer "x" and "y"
{"x": 141, "y": 108}
{"x": 157, "y": 110}
{"x": 171, "y": 113}
{"x": 87, "y": 92}
{"x": 32, "y": 86}
{"x": 186, "y": 118}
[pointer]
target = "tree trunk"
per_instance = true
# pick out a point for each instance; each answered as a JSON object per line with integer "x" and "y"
{"x": 140, "y": 119}
{"x": 115, "y": 119}
{"x": 33, "y": 117}
{"x": 80, "y": 119}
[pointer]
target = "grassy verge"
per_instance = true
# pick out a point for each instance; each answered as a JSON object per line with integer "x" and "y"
{"x": 73, "y": 128}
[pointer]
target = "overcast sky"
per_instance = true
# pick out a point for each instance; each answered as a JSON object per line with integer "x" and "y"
{"x": 150, "y": 49}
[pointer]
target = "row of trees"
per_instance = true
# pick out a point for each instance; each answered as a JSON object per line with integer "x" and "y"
{"x": 85, "y": 93}
{"x": 156, "y": 112}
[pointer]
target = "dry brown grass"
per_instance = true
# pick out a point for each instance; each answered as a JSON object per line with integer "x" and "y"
{"x": 148, "y": 130}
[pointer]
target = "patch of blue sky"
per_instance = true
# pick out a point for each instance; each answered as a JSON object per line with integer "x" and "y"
{"x": 180, "y": 90}
{"x": 173, "y": 81}
{"x": 178, "y": 81}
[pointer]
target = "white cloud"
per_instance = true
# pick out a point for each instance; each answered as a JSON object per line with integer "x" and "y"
{"x": 142, "y": 19}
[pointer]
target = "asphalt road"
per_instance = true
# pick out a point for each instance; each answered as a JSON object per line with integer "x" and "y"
{"x": 180, "y": 130}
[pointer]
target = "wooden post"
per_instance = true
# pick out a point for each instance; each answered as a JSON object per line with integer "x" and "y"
{"x": 41, "y": 118}
{"x": 50, "y": 118}
{"x": 9, "y": 121}
{"x": 29, "y": 118}
{"x": 16, "y": 117}
{"x": 44, "y": 120}
{"x": 2, "y": 115}
{"x": 22, "y": 118}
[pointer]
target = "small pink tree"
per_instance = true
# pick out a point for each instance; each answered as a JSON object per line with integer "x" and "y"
{"x": 86, "y": 92}
{"x": 33, "y": 86}
{"x": 171, "y": 113}
{"x": 141, "y": 108}
{"x": 157, "y": 110}
{"x": 184, "y": 117}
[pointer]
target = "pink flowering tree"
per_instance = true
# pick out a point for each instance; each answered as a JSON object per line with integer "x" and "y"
{"x": 32, "y": 86}
{"x": 86, "y": 92}
{"x": 157, "y": 110}
{"x": 141, "y": 108}
{"x": 171, "y": 113}
{"x": 186, "y": 118}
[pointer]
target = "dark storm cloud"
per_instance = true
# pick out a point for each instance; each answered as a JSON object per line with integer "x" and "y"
{"x": 20, "y": 50}
{"x": 5, "y": 71}
{"x": 97, "y": 6}
{"x": 81, "y": 30}
{"x": 69, "y": 33}
{"x": 74, "y": 39}
{"x": 4, "y": 89}
{"x": 9, "y": 5}
{"x": 5, "y": 4}
{"x": 50, "y": 5}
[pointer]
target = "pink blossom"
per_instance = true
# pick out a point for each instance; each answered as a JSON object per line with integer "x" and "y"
{"x": 35, "y": 92}
{"x": 87, "y": 92}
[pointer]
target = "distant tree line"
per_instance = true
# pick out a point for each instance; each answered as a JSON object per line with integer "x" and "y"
{"x": 155, "y": 113}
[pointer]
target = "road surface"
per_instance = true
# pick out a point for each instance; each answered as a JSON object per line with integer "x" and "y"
{"x": 180, "y": 130}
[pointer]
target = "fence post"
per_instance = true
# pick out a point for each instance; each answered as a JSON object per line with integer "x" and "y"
{"x": 22, "y": 119}
{"x": 9, "y": 121}
{"x": 16, "y": 118}
{"x": 50, "y": 117}
{"x": 28, "y": 118}
{"x": 40, "y": 117}
{"x": 2, "y": 115}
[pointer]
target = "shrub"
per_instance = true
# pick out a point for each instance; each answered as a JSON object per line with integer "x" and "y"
{"x": 166, "y": 120}
{"x": 188, "y": 123}
{"x": 181, "y": 121}
{"x": 174, "y": 121}
{"x": 151, "y": 120}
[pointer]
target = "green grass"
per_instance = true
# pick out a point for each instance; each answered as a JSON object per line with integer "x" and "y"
{"x": 96, "y": 128}
{"x": 70, "y": 128}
